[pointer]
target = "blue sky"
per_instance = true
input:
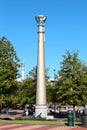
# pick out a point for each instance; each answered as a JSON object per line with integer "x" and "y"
{"x": 65, "y": 28}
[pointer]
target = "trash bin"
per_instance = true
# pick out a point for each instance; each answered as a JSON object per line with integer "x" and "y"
{"x": 84, "y": 117}
{"x": 70, "y": 118}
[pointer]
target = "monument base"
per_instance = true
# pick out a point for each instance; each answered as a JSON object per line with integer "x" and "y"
{"x": 41, "y": 110}
{"x": 50, "y": 117}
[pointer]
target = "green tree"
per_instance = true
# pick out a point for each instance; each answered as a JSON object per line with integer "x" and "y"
{"x": 9, "y": 64}
{"x": 27, "y": 92}
{"x": 51, "y": 93}
{"x": 72, "y": 84}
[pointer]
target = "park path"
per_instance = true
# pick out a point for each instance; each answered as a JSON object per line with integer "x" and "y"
{"x": 38, "y": 127}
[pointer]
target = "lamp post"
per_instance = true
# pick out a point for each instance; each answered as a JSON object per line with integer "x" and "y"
{"x": 41, "y": 106}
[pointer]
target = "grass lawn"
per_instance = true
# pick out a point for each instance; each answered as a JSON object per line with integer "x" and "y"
{"x": 42, "y": 122}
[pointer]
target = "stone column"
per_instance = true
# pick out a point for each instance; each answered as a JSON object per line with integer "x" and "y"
{"x": 41, "y": 106}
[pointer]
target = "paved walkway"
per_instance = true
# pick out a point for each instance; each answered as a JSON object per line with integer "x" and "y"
{"x": 38, "y": 127}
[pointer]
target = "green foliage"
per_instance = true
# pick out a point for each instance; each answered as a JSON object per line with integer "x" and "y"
{"x": 8, "y": 70}
{"x": 72, "y": 84}
{"x": 27, "y": 92}
{"x": 51, "y": 93}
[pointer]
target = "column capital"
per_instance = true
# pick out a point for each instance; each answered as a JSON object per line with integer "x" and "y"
{"x": 40, "y": 19}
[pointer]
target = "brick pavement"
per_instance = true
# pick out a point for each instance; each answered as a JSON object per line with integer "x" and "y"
{"x": 38, "y": 127}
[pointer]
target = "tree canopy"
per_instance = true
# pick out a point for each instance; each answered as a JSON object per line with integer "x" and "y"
{"x": 72, "y": 83}
{"x": 26, "y": 93}
{"x": 9, "y": 64}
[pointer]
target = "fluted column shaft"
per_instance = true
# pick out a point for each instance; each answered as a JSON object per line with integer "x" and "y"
{"x": 41, "y": 89}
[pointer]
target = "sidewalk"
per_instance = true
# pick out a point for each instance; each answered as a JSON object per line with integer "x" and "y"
{"x": 38, "y": 127}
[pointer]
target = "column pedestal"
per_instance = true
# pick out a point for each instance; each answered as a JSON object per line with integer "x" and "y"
{"x": 41, "y": 110}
